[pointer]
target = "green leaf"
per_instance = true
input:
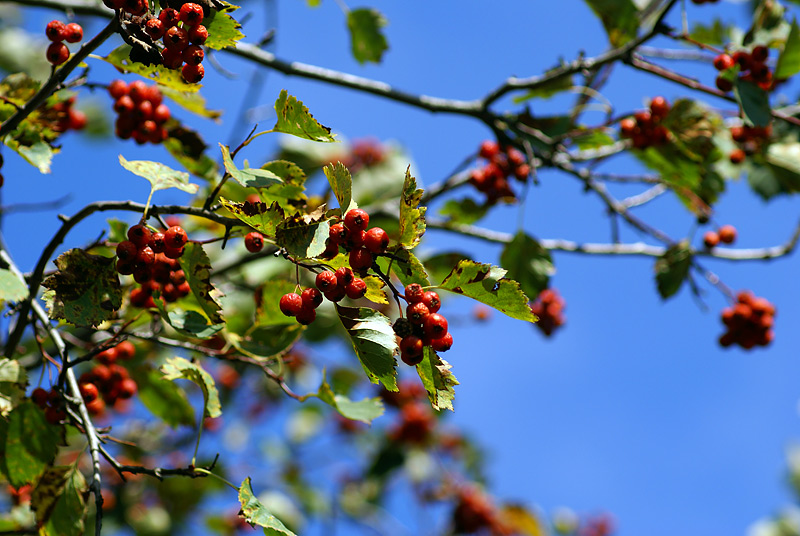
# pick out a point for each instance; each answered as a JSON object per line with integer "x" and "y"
{"x": 672, "y": 268}
{"x": 117, "y": 230}
{"x": 223, "y": 30}
{"x": 13, "y": 379}
{"x": 593, "y": 139}
{"x": 197, "y": 267}
{"x": 85, "y": 290}
{"x": 303, "y": 236}
{"x": 166, "y": 400}
{"x": 288, "y": 192}
{"x": 267, "y": 341}
{"x": 178, "y": 368}
{"x": 789, "y": 61}
{"x": 619, "y": 18}
{"x": 256, "y": 513}
{"x": 487, "y": 284}
{"x": 528, "y": 263}
{"x": 374, "y": 342}
{"x": 268, "y": 311}
{"x": 12, "y": 288}
{"x": 780, "y": 174}
{"x": 39, "y": 153}
{"x": 437, "y": 379}
{"x": 463, "y": 211}
{"x": 366, "y": 39}
{"x": 412, "y": 216}
{"x": 754, "y": 102}
{"x": 295, "y": 119}
{"x": 365, "y": 410}
{"x": 191, "y": 102}
{"x": 160, "y": 176}
{"x": 189, "y": 323}
{"x": 120, "y": 58}
{"x": 59, "y": 503}
{"x": 188, "y": 148}
{"x": 547, "y": 90}
{"x": 439, "y": 265}
{"x": 404, "y": 265}
{"x": 259, "y": 216}
{"x": 341, "y": 185}
{"x": 248, "y": 177}
{"x": 769, "y": 24}
{"x": 30, "y": 442}
{"x": 716, "y": 34}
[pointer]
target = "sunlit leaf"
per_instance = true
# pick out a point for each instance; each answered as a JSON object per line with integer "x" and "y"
{"x": 341, "y": 185}
{"x": 178, "y": 368}
{"x": 303, "y": 236}
{"x": 30, "y": 444}
{"x": 366, "y": 38}
{"x": 365, "y": 410}
{"x": 197, "y": 267}
{"x": 256, "y": 513}
{"x": 437, "y": 379}
{"x": 59, "y": 499}
{"x": 259, "y": 216}
{"x": 12, "y": 288}
{"x": 120, "y": 58}
{"x": 223, "y": 30}
{"x": 165, "y": 399}
{"x": 528, "y": 263}
{"x": 754, "y": 102}
{"x": 619, "y": 18}
{"x": 412, "y": 216}
{"x": 248, "y": 177}
{"x": 295, "y": 119}
{"x": 374, "y": 342}
{"x": 160, "y": 176}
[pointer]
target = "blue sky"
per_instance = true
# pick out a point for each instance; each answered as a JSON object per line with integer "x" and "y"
{"x": 632, "y": 408}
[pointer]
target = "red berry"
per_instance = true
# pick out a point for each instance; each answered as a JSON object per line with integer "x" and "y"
{"x": 710, "y": 239}
{"x": 659, "y": 107}
{"x": 77, "y": 119}
{"x": 191, "y": 14}
{"x": 173, "y": 253}
{"x": 435, "y": 326}
{"x": 291, "y": 304}
{"x": 723, "y": 62}
{"x": 417, "y": 313}
{"x": 356, "y": 289}
{"x": 254, "y": 242}
{"x": 155, "y": 28}
{"x": 360, "y": 259}
{"x": 336, "y": 293}
{"x": 125, "y": 267}
{"x": 127, "y": 250}
{"x": 73, "y": 32}
{"x": 759, "y": 53}
{"x": 354, "y": 239}
{"x": 727, "y": 234}
{"x": 411, "y": 350}
{"x": 125, "y": 350}
{"x": 145, "y": 257}
{"x": 376, "y": 240}
{"x": 55, "y": 31}
{"x": 172, "y": 58}
{"x": 127, "y": 388}
{"x": 337, "y": 233}
{"x": 176, "y": 38}
{"x": 175, "y": 237}
{"x": 311, "y": 298}
{"x": 54, "y": 415}
{"x": 356, "y": 220}
{"x": 193, "y": 55}
{"x": 414, "y": 293}
{"x": 723, "y": 84}
{"x": 344, "y": 276}
{"x": 489, "y": 149}
{"x": 743, "y": 58}
{"x": 107, "y": 356}
{"x": 442, "y": 344}
{"x": 57, "y": 53}
{"x": 88, "y": 392}
{"x": 157, "y": 242}
{"x": 193, "y": 73}
{"x": 124, "y": 105}
{"x": 326, "y": 280}
{"x": 139, "y": 235}
{"x": 170, "y": 17}
{"x": 178, "y": 277}
{"x": 432, "y": 301}
{"x": 138, "y": 91}
{"x": 161, "y": 114}
{"x": 39, "y": 397}
{"x": 737, "y": 156}
{"x": 117, "y": 88}
{"x": 198, "y": 34}
{"x": 306, "y": 315}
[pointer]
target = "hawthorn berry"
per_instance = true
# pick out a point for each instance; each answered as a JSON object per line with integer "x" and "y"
{"x": 727, "y": 234}
{"x": 344, "y": 276}
{"x": 411, "y": 350}
{"x": 127, "y": 250}
{"x": 360, "y": 259}
{"x": 55, "y": 31}
{"x": 139, "y": 234}
{"x": 759, "y": 53}
{"x": 711, "y": 239}
{"x": 356, "y": 220}
{"x": 198, "y": 34}
{"x": 376, "y": 240}
{"x": 39, "y": 397}
{"x": 356, "y": 289}
{"x": 337, "y": 233}
{"x": 417, "y": 313}
{"x": 291, "y": 304}
{"x": 737, "y": 156}
{"x": 172, "y": 58}
{"x": 311, "y": 298}
{"x": 57, "y": 53}
{"x": 432, "y": 301}
{"x": 434, "y": 326}
{"x": 155, "y": 28}
{"x": 170, "y": 17}
{"x": 336, "y": 293}
{"x": 173, "y": 253}
{"x": 157, "y": 242}
{"x": 88, "y": 391}
{"x": 442, "y": 344}
{"x": 125, "y": 350}
{"x": 306, "y": 315}
{"x": 489, "y": 149}
{"x": 254, "y": 241}
{"x": 145, "y": 256}
{"x": 125, "y": 267}
{"x": 175, "y": 237}
{"x": 193, "y": 73}
{"x": 191, "y": 14}
{"x": 127, "y": 388}
{"x": 326, "y": 280}
{"x": 659, "y": 107}
{"x": 723, "y": 62}
{"x": 176, "y": 38}
{"x": 414, "y": 293}
{"x": 193, "y": 55}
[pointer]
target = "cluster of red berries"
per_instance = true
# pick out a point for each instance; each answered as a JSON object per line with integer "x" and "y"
{"x": 749, "y": 322}
{"x": 182, "y": 35}
{"x": 351, "y": 234}
{"x": 66, "y": 117}
{"x": 151, "y": 257}
{"x": 725, "y": 234}
{"x": 58, "y": 32}
{"x": 749, "y": 140}
{"x": 364, "y": 154}
{"x": 416, "y": 419}
{"x": 549, "y": 307}
{"x": 141, "y": 111}
{"x": 51, "y": 402}
{"x": 475, "y": 513}
{"x": 423, "y": 325}
{"x": 302, "y": 306}
{"x": 645, "y": 128}
{"x": 752, "y": 67}
{"x": 108, "y": 382}
{"x": 492, "y": 178}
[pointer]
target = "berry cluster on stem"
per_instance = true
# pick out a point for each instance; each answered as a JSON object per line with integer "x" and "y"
{"x": 141, "y": 111}
{"x": 183, "y": 37}
{"x": 549, "y": 307}
{"x": 423, "y": 325}
{"x": 752, "y": 67}
{"x": 66, "y": 116}
{"x": 749, "y": 140}
{"x": 58, "y": 32}
{"x": 725, "y": 234}
{"x": 501, "y": 164}
{"x": 645, "y": 128}
{"x": 749, "y": 322}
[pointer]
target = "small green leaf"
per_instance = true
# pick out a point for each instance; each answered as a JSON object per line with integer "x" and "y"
{"x": 367, "y": 41}
{"x": 437, "y": 379}
{"x": 189, "y": 323}
{"x": 789, "y": 60}
{"x": 12, "y": 288}
{"x": 223, "y": 30}
{"x": 295, "y": 119}
{"x": 754, "y": 102}
{"x": 166, "y": 400}
{"x": 13, "y": 380}
{"x": 288, "y": 192}
{"x": 191, "y": 102}
{"x": 178, "y": 368}
{"x": 374, "y": 342}
{"x": 672, "y": 268}
{"x": 412, "y": 216}
{"x": 341, "y": 185}
{"x": 30, "y": 444}
{"x": 197, "y": 267}
{"x": 120, "y": 58}
{"x": 464, "y": 211}
{"x": 528, "y": 263}
{"x": 39, "y": 153}
{"x": 404, "y": 265}
{"x": 85, "y": 290}
{"x": 248, "y": 177}
{"x": 259, "y": 216}
{"x": 487, "y": 284}
{"x": 365, "y": 410}
{"x": 619, "y": 17}
{"x": 188, "y": 148}
{"x": 593, "y": 139}
{"x": 256, "y": 513}
{"x": 303, "y": 236}
{"x": 267, "y": 341}
{"x": 59, "y": 503}
{"x": 160, "y": 176}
